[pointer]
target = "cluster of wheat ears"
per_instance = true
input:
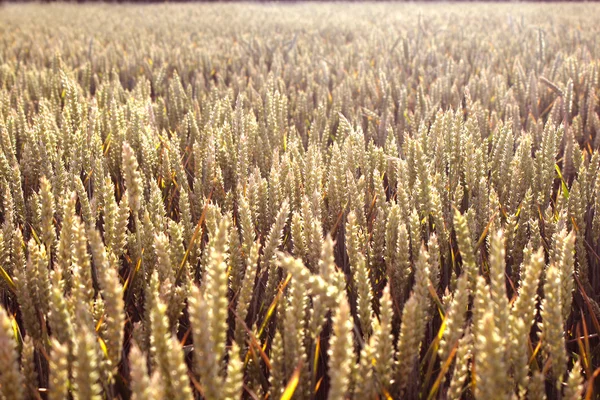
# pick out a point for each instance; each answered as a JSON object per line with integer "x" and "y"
{"x": 308, "y": 201}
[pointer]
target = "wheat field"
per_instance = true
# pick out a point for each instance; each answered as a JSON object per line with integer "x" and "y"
{"x": 299, "y": 201}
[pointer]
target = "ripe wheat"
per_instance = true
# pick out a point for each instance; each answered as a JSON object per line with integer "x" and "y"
{"x": 308, "y": 201}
